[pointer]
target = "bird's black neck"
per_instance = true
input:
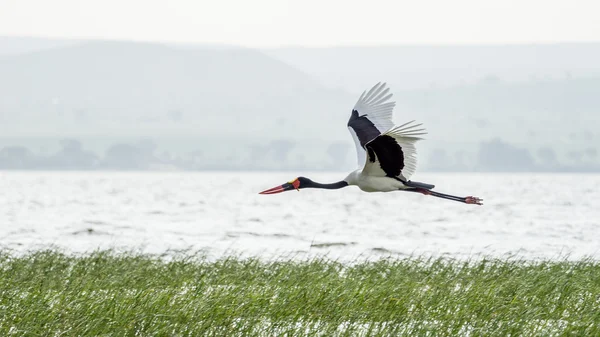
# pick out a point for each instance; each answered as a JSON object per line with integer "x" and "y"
{"x": 332, "y": 186}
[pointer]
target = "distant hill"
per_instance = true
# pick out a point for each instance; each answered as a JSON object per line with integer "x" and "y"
{"x": 142, "y": 89}
{"x": 535, "y": 116}
{"x": 131, "y": 105}
{"x": 419, "y": 67}
{"x": 10, "y": 45}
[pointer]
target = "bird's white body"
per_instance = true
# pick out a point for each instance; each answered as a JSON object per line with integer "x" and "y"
{"x": 369, "y": 183}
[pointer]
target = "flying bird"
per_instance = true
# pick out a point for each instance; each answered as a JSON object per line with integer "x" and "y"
{"x": 387, "y": 156}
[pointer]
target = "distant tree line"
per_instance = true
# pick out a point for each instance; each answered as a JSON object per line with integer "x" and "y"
{"x": 493, "y": 155}
{"x": 144, "y": 155}
{"x": 498, "y": 156}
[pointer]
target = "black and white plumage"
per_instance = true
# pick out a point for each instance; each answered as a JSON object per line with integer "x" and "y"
{"x": 383, "y": 150}
{"x": 387, "y": 155}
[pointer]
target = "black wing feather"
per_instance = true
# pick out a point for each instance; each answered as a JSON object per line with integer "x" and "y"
{"x": 365, "y": 130}
{"x": 389, "y": 152}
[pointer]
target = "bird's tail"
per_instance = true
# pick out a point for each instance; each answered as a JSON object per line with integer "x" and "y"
{"x": 416, "y": 184}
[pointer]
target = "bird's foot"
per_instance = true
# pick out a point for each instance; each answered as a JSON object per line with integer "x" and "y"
{"x": 473, "y": 200}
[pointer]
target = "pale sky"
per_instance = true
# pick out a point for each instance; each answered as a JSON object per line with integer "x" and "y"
{"x": 271, "y": 23}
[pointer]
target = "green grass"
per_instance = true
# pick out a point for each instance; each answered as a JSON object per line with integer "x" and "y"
{"x": 109, "y": 294}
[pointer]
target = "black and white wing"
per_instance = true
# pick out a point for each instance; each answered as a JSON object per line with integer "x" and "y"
{"x": 371, "y": 116}
{"x": 393, "y": 153}
{"x": 382, "y": 149}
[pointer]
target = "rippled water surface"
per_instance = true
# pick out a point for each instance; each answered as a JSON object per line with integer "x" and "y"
{"x": 532, "y": 215}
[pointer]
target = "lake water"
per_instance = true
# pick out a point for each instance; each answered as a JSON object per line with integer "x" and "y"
{"x": 530, "y": 215}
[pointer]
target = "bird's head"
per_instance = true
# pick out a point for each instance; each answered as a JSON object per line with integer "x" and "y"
{"x": 295, "y": 184}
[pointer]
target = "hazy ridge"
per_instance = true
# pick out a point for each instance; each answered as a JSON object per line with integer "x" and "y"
{"x": 108, "y": 104}
{"x": 418, "y": 67}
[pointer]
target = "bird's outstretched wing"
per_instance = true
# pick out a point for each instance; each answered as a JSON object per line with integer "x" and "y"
{"x": 391, "y": 150}
{"x": 371, "y": 116}
{"x": 393, "y": 153}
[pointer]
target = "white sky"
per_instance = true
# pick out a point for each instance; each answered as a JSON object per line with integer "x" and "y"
{"x": 268, "y": 23}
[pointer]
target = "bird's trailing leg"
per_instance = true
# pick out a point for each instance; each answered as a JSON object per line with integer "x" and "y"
{"x": 466, "y": 200}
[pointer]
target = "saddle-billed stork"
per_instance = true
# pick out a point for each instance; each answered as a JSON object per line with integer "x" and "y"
{"x": 386, "y": 153}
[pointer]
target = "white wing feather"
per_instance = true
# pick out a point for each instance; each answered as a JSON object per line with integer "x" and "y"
{"x": 375, "y": 105}
{"x": 379, "y": 111}
{"x": 361, "y": 154}
{"x": 406, "y": 135}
